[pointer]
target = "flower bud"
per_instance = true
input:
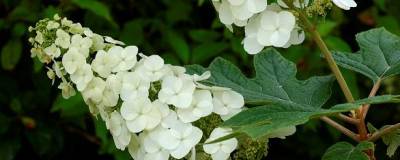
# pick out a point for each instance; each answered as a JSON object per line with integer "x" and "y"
{"x": 67, "y": 90}
{"x": 76, "y": 28}
{"x": 56, "y": 17}
{"x": 51, "y": 74}
{"x": 66, "y": 22}
{"x": 52, "y": 25}
{"x": 30, "y": 29}
{"x": 39, "y": 37}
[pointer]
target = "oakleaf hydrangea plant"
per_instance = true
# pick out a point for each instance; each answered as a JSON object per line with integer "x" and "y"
{"x": 159, "y": 111}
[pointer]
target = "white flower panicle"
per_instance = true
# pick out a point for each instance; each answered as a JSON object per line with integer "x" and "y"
{"x": 149, "y": 107}
{"x": 266, "y": 24}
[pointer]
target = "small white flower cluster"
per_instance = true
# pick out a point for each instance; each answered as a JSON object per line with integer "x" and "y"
{"x": 147, "y": 105}
{"x": 266, "y": 25}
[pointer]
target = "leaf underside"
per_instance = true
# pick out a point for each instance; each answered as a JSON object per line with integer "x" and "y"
{"x": 392, "y": 140}
{"x": 283, "y": 115}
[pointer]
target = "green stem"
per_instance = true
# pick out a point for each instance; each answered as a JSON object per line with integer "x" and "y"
{"x": 328, "y": 56}
{"x": 340, "y": 128}
{"x": 373, "y": 92}
{"x": 363, "y": 133}
{"x": 348, "y": 119}
{"x": 325, "y": 51}
{"x": 383, "y": 132}
{"x": 362, "y": 129}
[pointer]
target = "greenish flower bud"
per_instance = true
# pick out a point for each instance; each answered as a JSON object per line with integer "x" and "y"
{"x": 98, "y": 42}
{"x": 56, "y": 17}
{"x": 251, "y": 149}
{"x": 67, "y": 90}
{"x": 51, "y": 74}
{"x": 39, "y": 37}
{"x": 319, "y": 8}
{"x": 52, "y": 25}
{"x": 76, "y": 28}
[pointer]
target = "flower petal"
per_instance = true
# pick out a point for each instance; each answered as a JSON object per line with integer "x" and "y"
{"x": 269, "y": 20}
{"x": 137, "y": 125}
{"x": 256, "y": 6}
{"x": 236, "y": 2}
{"x": 225, "y": 13}
{"x": 286, "y": 20}
{"x": 241, "y": 12}
{"x": 264, "y": 37}
{"x": 251, "y": 45}
{"x": 220, "y": 155}
{"x": 167, "y": 141}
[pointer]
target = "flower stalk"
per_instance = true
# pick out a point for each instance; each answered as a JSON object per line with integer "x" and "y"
{"x": 360, "y": 114}
{"x": 327, "y": 54}
{"x": 341, "y": 128}
{"x": 383, "y": 132}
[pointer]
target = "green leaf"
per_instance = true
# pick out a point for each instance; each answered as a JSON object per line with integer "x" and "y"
{"x": 9, "y": 148}
{"x": 23, "y": 12}
{"x": 326, "y": 27}
{"x": 4, "y": 122}
{"x": 263, "y": 120}
{"x": 365, "y": 145}
{"x": 200, "y": 2}
{"x": 10, "y": 54}
{"x": 378, "y": 58}
{"x": 37, "y": 65}
{"x": 346, "y": 151}
{"x": 223, "y": 138}
{"x": 50, "y": 11}
{"x": 380, "y": 4}
{"x": 2, "y": 23}
{"x": 337, "y": 44}
{"x": 389, "y": 22}
{"x": 275, "y": 81}
{"x": 132, "y": 33}
{"x": 46, "y": 141}
{"x": 96, "y": 7}
{"x": 201, "y": 35}
{"x": 392, "y": 140}
{"x": 103, "y": 134}
{"x": 237, "y": 48}
{"x": 118, "y": 155}
{"x": 179, "y": 45}
{"x": 205, "y": 51}
{"x": 72, "y": 107}
{"x": 177, "y": 11}
{"x": 371, "y": 128}
{"x": 19, "y": 29}
{"x": 16, "y": 106}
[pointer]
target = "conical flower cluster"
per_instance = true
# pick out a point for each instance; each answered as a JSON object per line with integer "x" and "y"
{"x": 147, "y": 105}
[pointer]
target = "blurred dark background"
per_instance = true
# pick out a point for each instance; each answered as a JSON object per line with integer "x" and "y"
{"x": 37, "y": 123}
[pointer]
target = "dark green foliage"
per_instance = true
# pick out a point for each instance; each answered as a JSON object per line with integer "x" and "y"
{"x": 275, "y": 81}
{"x": 379, "y": 55}
{"x": 346, "y": 151}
